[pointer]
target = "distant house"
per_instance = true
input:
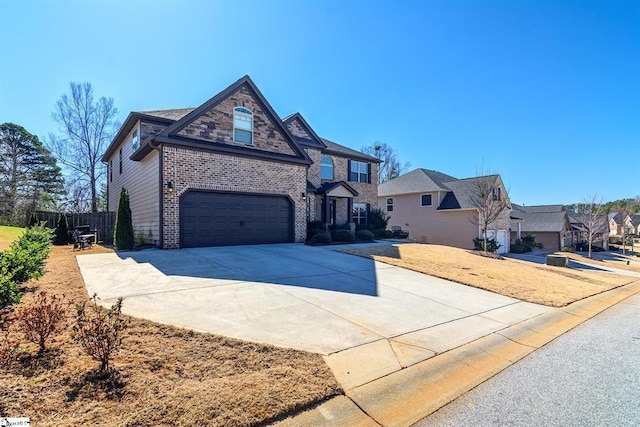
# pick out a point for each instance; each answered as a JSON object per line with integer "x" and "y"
{"x": 601, "y": 228}
{"x": 438, "y": 208}
{"x": 549, "y": 223}
{"x": 635, "y": 223}
{"x": 620, "y": 224}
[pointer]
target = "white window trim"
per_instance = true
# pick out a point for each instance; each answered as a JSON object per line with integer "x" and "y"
{"x": 426, "y": 194}
{"x": 389, "y": 203}
{"x": 357, "y": 207}
{"x": 326, "y": 166}
{"x": 242, "y": 114}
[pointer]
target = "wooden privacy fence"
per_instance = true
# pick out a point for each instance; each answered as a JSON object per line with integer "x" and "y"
{"x": 102, "y": 222}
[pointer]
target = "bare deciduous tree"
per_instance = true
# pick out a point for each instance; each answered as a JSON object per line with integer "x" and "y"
{"x": 390, "y": 166}
{"x": 486, "y": 195}
{"x": 86, "y": 127}
{"x": 589, "y": 217}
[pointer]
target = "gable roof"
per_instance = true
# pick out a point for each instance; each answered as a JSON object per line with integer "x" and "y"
{"x": 601, "y": 223}
{"x": 175, "y": 114}
{"x": 542, "y": 218}
{"x": 635, "y": 220}
{"x": 328, "y": 186}
{"x": 416, "y": 181}
{"x": 460, "y": 193}
{"x": 314, "y": 142}
{"x": 341, "y": 150}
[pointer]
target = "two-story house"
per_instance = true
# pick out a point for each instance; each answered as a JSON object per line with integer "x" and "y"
{"x": 438, "y": 208}
{"x": 232, "y": 172}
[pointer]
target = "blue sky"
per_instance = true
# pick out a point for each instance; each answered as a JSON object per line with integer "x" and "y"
{"x": 546, "y": 93}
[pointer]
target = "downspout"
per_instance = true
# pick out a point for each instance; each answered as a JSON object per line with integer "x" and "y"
{"x": 161, "y": 193}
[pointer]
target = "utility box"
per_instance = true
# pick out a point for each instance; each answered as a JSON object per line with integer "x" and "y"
{"x": 558, "y": 260}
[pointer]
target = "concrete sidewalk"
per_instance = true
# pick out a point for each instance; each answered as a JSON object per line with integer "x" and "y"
{"x": 406, "y": 397}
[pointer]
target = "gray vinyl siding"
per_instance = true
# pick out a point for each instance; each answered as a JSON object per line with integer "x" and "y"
{"x": 141, "y": 179}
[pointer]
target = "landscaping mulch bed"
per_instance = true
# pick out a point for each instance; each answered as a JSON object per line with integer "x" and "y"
{"x": 541, "y": 284}
{"x": 165, "y": 376}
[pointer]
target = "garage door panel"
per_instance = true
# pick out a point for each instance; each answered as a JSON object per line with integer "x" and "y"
{"x": 214, "y": 219}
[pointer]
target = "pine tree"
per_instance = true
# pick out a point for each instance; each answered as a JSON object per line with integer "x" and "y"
{"x": 62, "y": 231}
{"x": 33, "y": 220}
{"x": 123, "y": 233}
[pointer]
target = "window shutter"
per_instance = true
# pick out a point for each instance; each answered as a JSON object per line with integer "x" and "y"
{"x": 366, "y": 218}
{"x": 349, "y": 170}
{"x": 368, "y": 177}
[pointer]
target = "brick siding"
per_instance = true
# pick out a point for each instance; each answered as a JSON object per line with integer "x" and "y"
{"x": 190, "y": 169}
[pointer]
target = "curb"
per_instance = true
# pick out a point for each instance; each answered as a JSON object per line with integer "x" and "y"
{"x": 409, "y": 395}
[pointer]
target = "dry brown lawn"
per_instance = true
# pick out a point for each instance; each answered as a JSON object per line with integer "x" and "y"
{"x": 553, "y": 286}
{"x": 167, "y": 376}
{"x": 598, "y": 260}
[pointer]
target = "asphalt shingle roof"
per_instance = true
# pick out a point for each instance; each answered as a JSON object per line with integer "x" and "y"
{"x": 549, "y": 218}
{"x": 175, "y": 114}
{"x": 416, "y": 181}
{"x": 178, "y": 113}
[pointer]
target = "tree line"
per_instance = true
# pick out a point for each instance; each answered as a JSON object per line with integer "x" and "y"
{"x": 64, "y": 172}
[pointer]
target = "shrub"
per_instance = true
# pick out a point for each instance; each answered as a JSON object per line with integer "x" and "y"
{"x": 321, "y": 237}
{"x": 62, "y": 231}
{"x": 314, "y": 227}
{"x": 123, "y": 234}
{"x": 98, "y": 330}
{"x": 529, "y": 240}
{"x": 41, "y": 319}
{"x": 492, "y": 245}
{"x": 341, "y": 235}
{"x": 7, "y": 346}
{"x": 377, "y": 219}
{"x": 9, "y": 289}
{"x": 26, "y": 257}
{"x": 382, "y": 233}
{"x": 364, "y": 235}
{"x": 519, "y": 248}
{"x": 345, "y": 226}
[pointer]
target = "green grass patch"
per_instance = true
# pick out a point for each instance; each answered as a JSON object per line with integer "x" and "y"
{"x": 8, "y": 235}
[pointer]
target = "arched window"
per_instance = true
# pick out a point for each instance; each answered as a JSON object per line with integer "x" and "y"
{"x": 242, "y": 125}
{"x": 326, "y": 168}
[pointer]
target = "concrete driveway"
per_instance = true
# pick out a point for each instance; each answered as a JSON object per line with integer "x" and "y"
{"x": 368, "y": 318}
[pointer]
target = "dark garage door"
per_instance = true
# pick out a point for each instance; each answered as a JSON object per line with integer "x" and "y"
{"x": 216, "y": 219}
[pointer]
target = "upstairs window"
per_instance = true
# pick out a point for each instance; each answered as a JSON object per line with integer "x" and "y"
{"x": 390, "y": 205}
{"x": 425, "y": 200}
{"x": 120, "y": 161}
{"x": 326, "y": 168}
{"x": 496, "y": 194}
{"x": 243, "y": 125}
{"x": 359, "y": 171}
{"x": 135, "y": 140}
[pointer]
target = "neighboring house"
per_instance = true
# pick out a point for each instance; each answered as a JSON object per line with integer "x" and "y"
{"x": 549, "y": 223}
{"x": 601, "y": 229}
{"x": 620, "y": 224}
{"x": 635, "y": 223}
{"x": 438, "y": 208}
{"x": 232, "y": 172}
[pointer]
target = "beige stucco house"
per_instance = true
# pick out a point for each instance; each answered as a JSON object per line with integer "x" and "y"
{"x": 231, "y": 171}
{"x": 438, "y": 208}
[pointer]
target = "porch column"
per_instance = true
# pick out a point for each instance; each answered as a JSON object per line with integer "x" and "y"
{"x": 519, "y": 236}
{"x": 350, "y": 210}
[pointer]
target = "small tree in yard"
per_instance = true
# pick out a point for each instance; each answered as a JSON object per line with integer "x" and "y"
{"x": 123, "y": 236}
{"x": 486, "y": 196}
{"x": 62, "y": 231}
{"x": 41, "y": 319}
{"x": 98, "y": 330}
{"x": 589, "y": 216}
